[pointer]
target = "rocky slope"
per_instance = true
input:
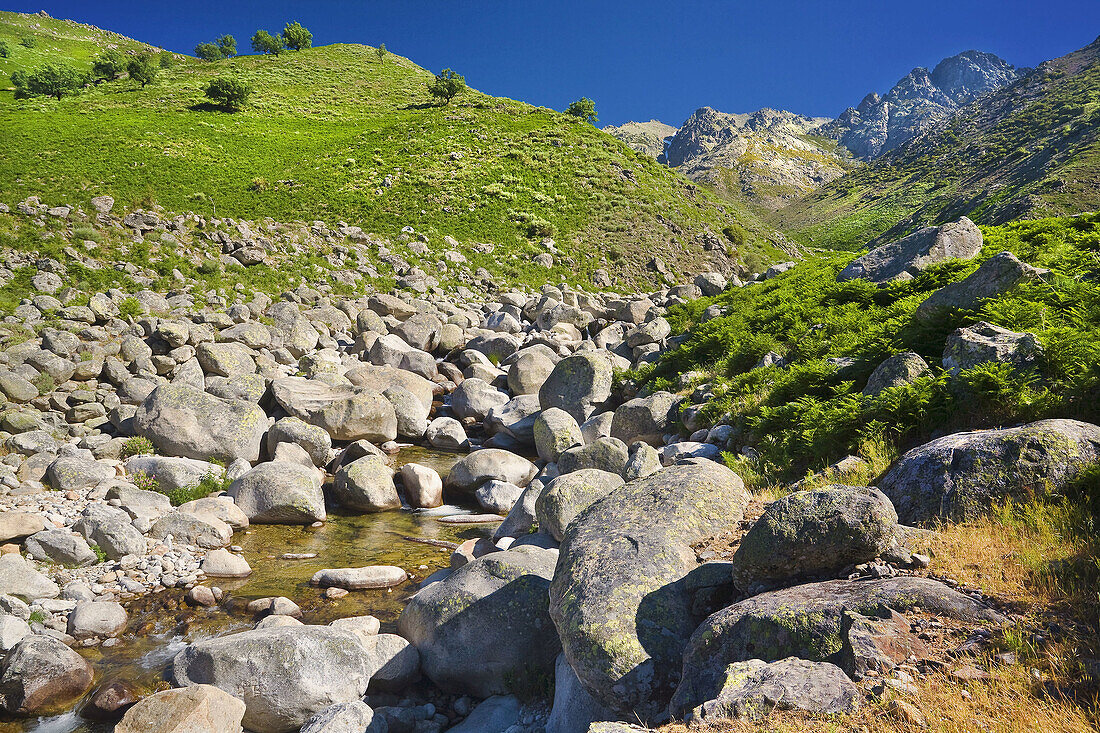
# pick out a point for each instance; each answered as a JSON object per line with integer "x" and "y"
{"x": 881, "y": 123}
{"x": 767, "y": 157}
{"x": 1030, "y": 149}
{"x": 650, "y": 138}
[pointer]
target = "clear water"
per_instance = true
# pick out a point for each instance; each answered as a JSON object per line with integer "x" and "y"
{"x": 161, "y": 624}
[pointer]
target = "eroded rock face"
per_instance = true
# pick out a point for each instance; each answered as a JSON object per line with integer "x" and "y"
{"x": 486, "y": 625}
{"x": 617, "y": 601}
{"x": 909, "y": 256}
{"x": 962, "y": 476}
{"x": 805, "y": 621}
{"x": 813, "y": 532}
{"x": 185, "y": 421}
{"x": 284, "y": 675}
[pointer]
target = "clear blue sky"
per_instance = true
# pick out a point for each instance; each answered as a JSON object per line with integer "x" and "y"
{"x": 644, "y": 58}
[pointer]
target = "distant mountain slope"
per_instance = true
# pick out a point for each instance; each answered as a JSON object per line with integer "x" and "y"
{"x": 767, "y": 157}
{"x": 649, "y": 138}
{"x": 333, "y": 134}
{"x": 880, "y": 124}
{"x": 1031, "y": 149}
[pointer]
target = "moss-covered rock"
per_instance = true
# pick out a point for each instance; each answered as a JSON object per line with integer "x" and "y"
{"x": 964, "y": 475}
{"x": 618, "y": 600}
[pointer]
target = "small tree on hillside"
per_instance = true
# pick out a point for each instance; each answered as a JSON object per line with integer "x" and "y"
{"x": 583, "y": 109}
{"x": 208, "y": 52}
{"x": 28, "y": 42}
{"x": 142, "y": 69}
{"x": 108, "y": 65}
{"x": 446, "y": 85}
{"x": 264, "y": 42}
{"x": 381, "y": 51}
{"x": 295, "y": 37}
{"x": 51, "y": 80}
{"x": 228, "y": 93}
{"x": 166, "y": 59}
{"x": 5, "y": 50}
{"x": 227, "y": 45}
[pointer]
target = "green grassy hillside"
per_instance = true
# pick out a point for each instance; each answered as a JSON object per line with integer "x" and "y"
{"x": 809, "y": 413}
{"x": 55, "y": 40}
{"x": 333, "y": 134}
{"x": 1029, "y": 150}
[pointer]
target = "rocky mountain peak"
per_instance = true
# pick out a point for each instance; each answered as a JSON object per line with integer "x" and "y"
{"x": 919, "y": 99}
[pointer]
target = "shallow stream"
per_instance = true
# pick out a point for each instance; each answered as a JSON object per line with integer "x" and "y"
{"x": 162, "y": 624}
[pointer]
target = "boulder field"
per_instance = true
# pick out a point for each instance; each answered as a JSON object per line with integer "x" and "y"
{"x": 142, "y": 430}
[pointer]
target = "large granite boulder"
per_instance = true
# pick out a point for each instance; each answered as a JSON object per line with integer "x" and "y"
{"x": 897, "y": 371}
{"x": 381, "y": 378}
{"x": 618, "y": 600}
{"x": 578, "y": 384}
{"x": 996, "y": 276}
{"x": 574, "y": 708}
{"x": 565, "y": 497}
{"x": 312, "y": 439}
{"x": 173, "y": 473}
{"x": 75, "y": 473}
{"x": 39, "y": 674}
{"x": 815, "y": 532}
{"x": 279, "y": 492}
{"x": 965, "y": 475}
{"x": 808, "y": 621}
{"x": 984, "y": 342}
{"x": 185, "y": 421}
{"x": 487, "y": 465}
{"x": 284, "y": 675}
{"x": 366, "y": 485}
{"x": 646, "y": 418}
{"x": 554, "y": 431}
{"x": 345, "y": 412}
{"x": 753, "y": 688}
{"x": 907, "y": 257}
{"x": 19, "y": 578}
{"x": 486, "y": 626}
{"x": 185, "y": 710}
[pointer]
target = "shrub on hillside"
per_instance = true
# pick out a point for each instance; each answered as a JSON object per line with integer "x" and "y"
{"x": 108, "y": 65}
{"x": 5, "y": 50}
{"x": 142, "y": 69}
{"x": 583, "y": 109}
{"x": 228, "y": 93}
{"x": 296, "y": 37}
{"x": 381, "y": 53}
{"x": 446, "y": 85}
{"x": 28, "y": 42}
{"x": 208, "y": 52}
{"x": 227, "y": 45}
{"x": 264, "y": 42}
{"x": 51, "y": 80}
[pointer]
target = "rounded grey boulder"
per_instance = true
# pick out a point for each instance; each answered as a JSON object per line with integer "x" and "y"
{"x": 963, "y": 476}
{"x": 814, "y": 532}
{"x": 185, "y": 421}
{"x": 570, "y": 494}
{"x": 280, "y": 493}
{"x": 366, "y": 485}
{"x": 578, "y": 384}
{"x": 487, "y": 465}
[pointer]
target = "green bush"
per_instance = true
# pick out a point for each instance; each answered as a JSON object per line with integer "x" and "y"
{"x": 51, "y": 80}
{"x": 142, "y": 69}
{"x": 5, "y": 50}
{"x": 583, "y": 109}
{"x": 207, "y": 485}
{"x": 28, "y": 42}
{"x": 130, "y": 308}
{"x": 295, "y": 37}
{"x": 139, "y": 445}
{"x": 108, "y": 65}
{"x": 229, "y": 93}
{"x": 447, "y": 85}
{"x": 265, "y": 43}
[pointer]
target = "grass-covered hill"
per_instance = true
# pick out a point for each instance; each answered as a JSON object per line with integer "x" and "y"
{"x": 34, "y": 40}
{"x": 809, "y": 412}
{"x": 1031, "y": 149}
{"x": 336, "y": 134}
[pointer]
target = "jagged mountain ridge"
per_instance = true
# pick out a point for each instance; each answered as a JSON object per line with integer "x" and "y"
{"x": 766, "y": 157}
{"x": 922, "y": 97}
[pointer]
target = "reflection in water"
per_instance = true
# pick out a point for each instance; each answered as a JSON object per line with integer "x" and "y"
{"x": 161, "y": 625}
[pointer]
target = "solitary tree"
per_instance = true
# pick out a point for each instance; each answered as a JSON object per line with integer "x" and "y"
{"x": 5, "y": 50}
{"x": 228, "y": 93}
{"x": 108, "y": 65}
{"x": 264, "y": 42}
{"x": 51, "y": 80}
{"x": 295, "y": 37}
{"x": 381, "y": 51}
{"x": 446, "y": 85}
{"x": 142, "y": 69}
{"x": 227, "y": 44}
{"x": 583, "y": 109}
{"x": 166, "y": 59}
